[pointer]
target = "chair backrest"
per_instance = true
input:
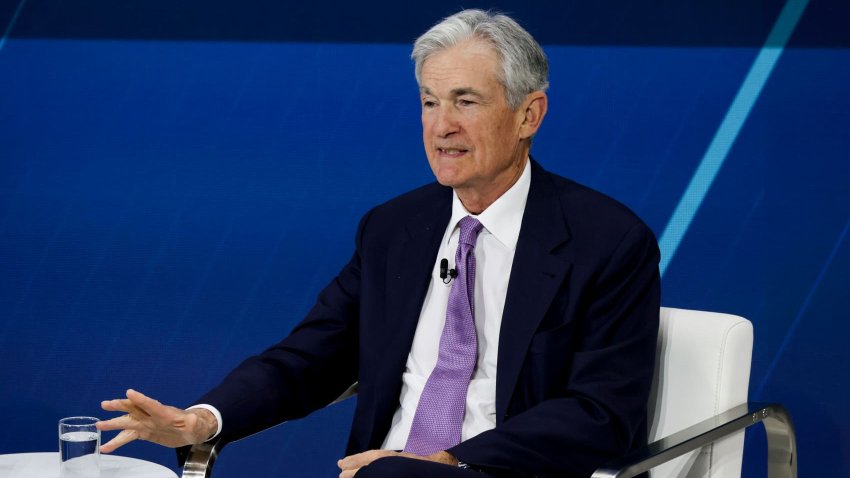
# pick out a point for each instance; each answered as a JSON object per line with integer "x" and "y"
{"x": 702, "y": 369}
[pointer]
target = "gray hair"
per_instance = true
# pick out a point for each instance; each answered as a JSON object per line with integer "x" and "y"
{"x": 524, "y": 65}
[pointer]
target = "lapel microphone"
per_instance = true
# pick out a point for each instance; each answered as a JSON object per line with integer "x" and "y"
{"x": 445, "y": 273}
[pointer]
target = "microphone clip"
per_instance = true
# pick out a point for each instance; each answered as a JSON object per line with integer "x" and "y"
{"x": 446, "y": 274}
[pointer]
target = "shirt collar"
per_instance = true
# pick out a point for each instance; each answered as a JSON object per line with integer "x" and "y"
{"x": 503, "y": 218}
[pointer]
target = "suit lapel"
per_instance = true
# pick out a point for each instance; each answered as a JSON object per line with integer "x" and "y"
{"x": 409, "y": 267}
{"x": 538, "y": 270}
{"x": 410, "y": 261}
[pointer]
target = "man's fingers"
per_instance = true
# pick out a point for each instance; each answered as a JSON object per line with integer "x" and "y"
{"x": 348, "y": 473}
{"x": 117, "y": 405}
{"x": 118, "y": 423}
{"x": 148, "y": 419}
{"x": 353, "y": 462}
{"x": 120, "y": 440}
{"x": 144, "y": 403}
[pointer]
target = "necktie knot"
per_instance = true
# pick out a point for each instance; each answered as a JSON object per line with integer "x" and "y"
{"x": 469, "y": 229}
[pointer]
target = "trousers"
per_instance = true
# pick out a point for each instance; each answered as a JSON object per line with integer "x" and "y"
{"x": 401, "y": 467}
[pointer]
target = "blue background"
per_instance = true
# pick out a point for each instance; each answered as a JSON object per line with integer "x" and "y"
{"x": 179, "y": 179}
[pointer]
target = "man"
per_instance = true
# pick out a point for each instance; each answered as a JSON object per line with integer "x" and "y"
{"x": 532, "y": 355}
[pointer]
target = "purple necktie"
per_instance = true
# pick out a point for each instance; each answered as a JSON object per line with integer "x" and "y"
{"x": 439, "y": 415}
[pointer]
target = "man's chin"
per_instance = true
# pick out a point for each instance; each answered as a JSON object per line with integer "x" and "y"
{"x": 450, "y": 182}
{"x": 450, "y": 177}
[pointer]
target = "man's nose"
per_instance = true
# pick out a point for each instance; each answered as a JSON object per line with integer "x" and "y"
{"x": 446, "y": 122}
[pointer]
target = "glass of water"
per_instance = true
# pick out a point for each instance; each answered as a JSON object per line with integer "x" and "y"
{"x": 79, "y": 448}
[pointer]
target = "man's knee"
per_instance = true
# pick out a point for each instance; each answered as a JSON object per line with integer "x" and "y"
{"x": 387, "y": 467}
{"x": 401, "y": 467}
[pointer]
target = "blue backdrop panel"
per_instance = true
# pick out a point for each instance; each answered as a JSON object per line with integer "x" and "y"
{"x": 170, "y": 204}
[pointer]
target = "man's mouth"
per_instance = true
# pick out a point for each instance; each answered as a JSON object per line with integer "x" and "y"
{"x": 452, "y": 152}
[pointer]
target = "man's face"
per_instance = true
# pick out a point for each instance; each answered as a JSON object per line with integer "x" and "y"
{"x": 472, "y": 137}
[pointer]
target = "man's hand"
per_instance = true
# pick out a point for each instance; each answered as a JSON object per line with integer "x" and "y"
{"x": 150, "y": 420}
{"x": 350, "y": 464}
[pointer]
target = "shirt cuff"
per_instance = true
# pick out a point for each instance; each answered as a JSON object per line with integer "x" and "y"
{"x": 215, "y": 412}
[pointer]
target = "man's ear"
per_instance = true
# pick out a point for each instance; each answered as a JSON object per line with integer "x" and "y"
{"x": 534, "y": 109}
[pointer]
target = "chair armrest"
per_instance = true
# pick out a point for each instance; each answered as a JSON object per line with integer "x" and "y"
{"x": 198, "y": 461}
{"x": 201, "y": 457}
{"x": 781, "y": 442}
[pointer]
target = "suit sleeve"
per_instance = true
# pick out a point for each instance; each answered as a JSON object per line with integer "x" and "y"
{"x": 303, "y": 372}
{"x": 597, "y": 411}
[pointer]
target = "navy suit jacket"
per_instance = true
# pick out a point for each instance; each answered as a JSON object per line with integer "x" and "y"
{"x": 576, "y": 347}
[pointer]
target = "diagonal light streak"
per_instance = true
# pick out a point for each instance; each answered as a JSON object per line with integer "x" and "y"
{"x": 728, "y": 131}
{"x": 12, "y": 23}
{"x": 803, "y": 308}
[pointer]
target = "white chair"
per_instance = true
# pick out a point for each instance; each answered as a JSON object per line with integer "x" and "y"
{"x": 697, "y": 411}
{"x": 698, "y": 408}
{"x": 702, "y": 368}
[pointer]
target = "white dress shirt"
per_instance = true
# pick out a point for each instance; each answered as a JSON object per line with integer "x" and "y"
{"x": 494, "y": 256}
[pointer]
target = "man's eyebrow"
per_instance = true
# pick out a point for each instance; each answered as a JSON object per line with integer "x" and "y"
{"x": 466, "y": 90}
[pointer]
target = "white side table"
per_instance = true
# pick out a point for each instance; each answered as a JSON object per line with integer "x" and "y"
{"x": 46, "y": 465}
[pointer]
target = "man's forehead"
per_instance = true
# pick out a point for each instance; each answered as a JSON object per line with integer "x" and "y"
{"x": 458, "y": 72}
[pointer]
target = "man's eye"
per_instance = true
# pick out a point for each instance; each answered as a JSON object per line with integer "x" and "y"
{"x": 465, "y": 102}
{"x": 428, "y": 104}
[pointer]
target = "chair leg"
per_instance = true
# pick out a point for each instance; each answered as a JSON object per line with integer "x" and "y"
{"x": 781, "y": 445}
